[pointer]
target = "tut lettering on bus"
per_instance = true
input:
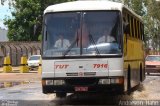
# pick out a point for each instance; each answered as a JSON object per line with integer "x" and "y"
{"x": 100, "y": 65}
{"x": 61, "y": 66}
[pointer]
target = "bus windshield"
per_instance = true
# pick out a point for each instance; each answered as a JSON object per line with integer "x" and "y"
{"x": 87, "y": 33}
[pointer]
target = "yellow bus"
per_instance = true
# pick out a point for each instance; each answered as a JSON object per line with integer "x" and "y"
{"x": 91, "y": 46}
{"x": 133, "y": 44}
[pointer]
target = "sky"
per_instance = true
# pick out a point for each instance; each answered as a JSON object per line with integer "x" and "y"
{"x": 4, "y": 12}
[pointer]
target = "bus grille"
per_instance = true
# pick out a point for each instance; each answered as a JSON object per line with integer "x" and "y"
{"x": 72, "y": 74}
{"x": 84, "y": 74}
{"x": 81, "y": 81}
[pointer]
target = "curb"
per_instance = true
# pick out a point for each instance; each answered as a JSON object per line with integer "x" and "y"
{"x": 18, "y": 71}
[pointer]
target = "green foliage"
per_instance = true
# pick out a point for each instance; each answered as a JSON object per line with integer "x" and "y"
{"x": 152, "y": 22}
{"x": 28, "y": 14}
{"x": 137, "y": 6}
{"x": 27, "y": 22}
{"x": 10, "y": 2}
{"x": 21, "y": 27}
{"x": 40, "y": 37}
{"x": 150, "y": 12}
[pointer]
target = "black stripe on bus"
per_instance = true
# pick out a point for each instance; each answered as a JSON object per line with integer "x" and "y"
{"x": 133, "y": 60}
{"x": 83, "y": 57}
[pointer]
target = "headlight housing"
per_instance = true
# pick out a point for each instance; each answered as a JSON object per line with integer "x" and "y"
{"x": 118, "y": 80}
{"x": 53, "y": 82}
{"x": 104, "y": 81}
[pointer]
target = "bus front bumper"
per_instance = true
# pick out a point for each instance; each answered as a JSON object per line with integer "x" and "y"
{"x": 73, "y": 89}
{"x": 102, "y": 85}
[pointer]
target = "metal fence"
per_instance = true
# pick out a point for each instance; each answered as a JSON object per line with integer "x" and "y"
{"x": 17, "y": 49}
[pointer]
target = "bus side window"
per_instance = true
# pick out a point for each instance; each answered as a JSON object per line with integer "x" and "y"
{"x": 126, "y": 26}
{"x": 142, "y": 31}
{"x": 130, "y": 22}
{"x": 132, "y": 26}
{"x": 137, "y": 34}
{"x": 139, "y": 31}
{"x": 129, "y": 26}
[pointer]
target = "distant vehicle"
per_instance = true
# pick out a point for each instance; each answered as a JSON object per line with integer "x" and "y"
{"x": 152, "y": 64}
{"x": 33, "y": 61}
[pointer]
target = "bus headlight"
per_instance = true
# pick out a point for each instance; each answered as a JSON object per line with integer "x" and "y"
{"x": 119, "y": 80}
{"x": 49, "y": 82}
{"x": 59, "y": 82}
{"x": 104, "y": 81}
{"x": 53, "y": 82}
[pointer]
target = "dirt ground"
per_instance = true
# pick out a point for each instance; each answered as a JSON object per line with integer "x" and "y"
{"x": 19, "y": 77}
{"x": 15, "y": 75}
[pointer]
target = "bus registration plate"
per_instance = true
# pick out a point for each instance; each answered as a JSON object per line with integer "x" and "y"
{"x": 83, "y": 89}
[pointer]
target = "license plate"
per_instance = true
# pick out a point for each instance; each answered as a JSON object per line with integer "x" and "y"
{"x": 81, "y": 89}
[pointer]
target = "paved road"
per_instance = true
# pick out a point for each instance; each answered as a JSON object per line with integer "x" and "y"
{"x": 30, "y": 95}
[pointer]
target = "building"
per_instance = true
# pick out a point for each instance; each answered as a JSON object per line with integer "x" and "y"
{"x": 3, "y": 35}
{"x": 3, "y": 38}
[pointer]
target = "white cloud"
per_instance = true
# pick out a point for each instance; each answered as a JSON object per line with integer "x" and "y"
{"x": 2, "y": 26}
{"x": 4, "y": 13}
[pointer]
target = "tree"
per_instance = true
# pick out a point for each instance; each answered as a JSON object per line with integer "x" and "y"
{"x": 9, "y": 1}
{"x": 152, "y": 22}
{"x": 27, "y": 17}
{"x": 149, "y": 10}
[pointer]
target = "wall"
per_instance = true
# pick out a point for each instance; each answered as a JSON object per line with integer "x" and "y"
{"x": 17, "y": 49}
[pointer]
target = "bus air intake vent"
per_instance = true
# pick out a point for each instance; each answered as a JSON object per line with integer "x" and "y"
{"x": 82, "y": 81}
{"x": 84, "y": 74}
{"x": 89, "y": 73}
{"x": 72, "y": 74}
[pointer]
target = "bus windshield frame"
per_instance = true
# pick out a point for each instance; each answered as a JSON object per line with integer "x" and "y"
{"x": 74, "y": 28}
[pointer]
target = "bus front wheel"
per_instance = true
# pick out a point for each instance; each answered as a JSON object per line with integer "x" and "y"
{"x": 61, "y": 94}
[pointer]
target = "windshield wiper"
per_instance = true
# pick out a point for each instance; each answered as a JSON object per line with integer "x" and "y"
{"x": 93, "y": 42}
{"x": 70, "y": 47}
{"x": 76, "y": 40}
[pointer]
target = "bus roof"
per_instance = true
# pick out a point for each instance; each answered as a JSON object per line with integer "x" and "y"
{"x": 84, "y": 5}
{"x": 87, "y": 5}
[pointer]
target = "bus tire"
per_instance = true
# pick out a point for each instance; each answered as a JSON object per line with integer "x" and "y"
{"x": 141, "y": 73}
{"x": 129, "y": 78}
{"x": 61, "y": 94}
{"x": 44, "y": 90}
